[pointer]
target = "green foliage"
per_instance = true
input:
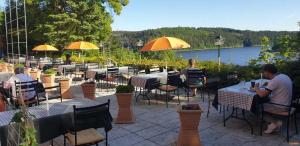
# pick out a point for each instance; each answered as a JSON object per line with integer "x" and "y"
{"x": 200, "y": 38}
{"x": 60, "y": 22}
{"x": 50, "y": 71}
{"x": 18, "y": 65}
{"x": 124, "y": 89}
{"x": 284, "y": 50}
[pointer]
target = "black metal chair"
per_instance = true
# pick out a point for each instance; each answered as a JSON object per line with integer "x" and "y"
{"x": 195, "y": 79}
{"x": 53, "y": 92}
{"x": 287, "y": 114}
{"x": 174, "y": 82}
{"x": 112, "y": 76}
{"x": 85, "y": 122}
{"x": 24, "y": 89}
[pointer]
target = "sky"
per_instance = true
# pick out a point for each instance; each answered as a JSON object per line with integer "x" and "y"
{"x": 276, "y": 15}
{"x": 255, "y": 15}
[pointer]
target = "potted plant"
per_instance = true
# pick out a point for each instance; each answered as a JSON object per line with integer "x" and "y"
{"x": 189, "y": 120}
{"x": 35, "y": 74}
{"x": 2, "y": 66}
{"x": 48, "y": 77}
{"x": 124, "y": 98}
{"x": 89, "y": 90}
{"x": 65, "y": 85}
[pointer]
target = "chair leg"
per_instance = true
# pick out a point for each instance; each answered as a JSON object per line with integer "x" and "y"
{"x": 167, "y": 99}
{"x": 209, "y": 102}
{"x": 106, "y": 138}
{"x": 64, "y": 140}
{"x": 178, "y": 96}
{"x": 261, "y": 120}
{"x": 295, "y": 120}
{"x": 288, "y": 129}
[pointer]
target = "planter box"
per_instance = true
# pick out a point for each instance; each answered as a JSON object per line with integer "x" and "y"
{"x": 188, "y": 133}
{"x": 65, "y": 88}
{"x": 125, "y": 114}
{"x": 48, "y": 80}
{"x": 89, "y": 90}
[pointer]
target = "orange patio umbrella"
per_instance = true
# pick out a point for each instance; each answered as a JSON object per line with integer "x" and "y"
{"x": 165, "y": 43}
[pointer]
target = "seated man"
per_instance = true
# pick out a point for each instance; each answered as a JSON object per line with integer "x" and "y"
{"x": 279, "y": 89}
{"x": 20, "y": 77}
{"x": 193, "y": 81}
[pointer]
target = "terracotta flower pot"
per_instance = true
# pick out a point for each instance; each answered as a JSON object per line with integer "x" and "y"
{"x": 3, "y": 67}
{"x": 27, "y": 70}
{"x": 35, "y": 74}
{"x": 2, "y": 105}
{"x": 10, "y": 68}
{"x": 125, "y": 114}
{"x": 48, "y": 80}
{"x": 89, "y": 90}
{"x": 65, "y": 88}
{"x": 188, "y": 133}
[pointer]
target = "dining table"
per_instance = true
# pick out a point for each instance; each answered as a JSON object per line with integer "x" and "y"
{"x": 239, "y": 97}
{"x": 51, "y": 120}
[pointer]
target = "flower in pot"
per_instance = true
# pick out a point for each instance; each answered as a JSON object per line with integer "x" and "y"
{"x": 48, "y": 77}
{"x": 189, "y": 120}
{"x": 124, "y": 98}
{"x": 65, "y": 85}
{"x": 89, "y": 90}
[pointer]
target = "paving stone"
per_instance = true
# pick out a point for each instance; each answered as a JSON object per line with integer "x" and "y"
{"x": 165, "y": 139}
{"x": 151, "y": 131}
{"x": 145, "y": 143}
{"x": 127, "y": 140}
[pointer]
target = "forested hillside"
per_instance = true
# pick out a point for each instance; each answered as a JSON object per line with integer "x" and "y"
{"x": 201, "y": 38}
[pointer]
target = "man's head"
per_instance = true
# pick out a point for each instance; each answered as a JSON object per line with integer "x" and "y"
{"x": 192, "y": 62}
{"x": 19, "y": 70}
{"x": 269, "y": 70}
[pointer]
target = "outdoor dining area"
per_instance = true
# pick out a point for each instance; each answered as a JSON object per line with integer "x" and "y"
{"x": 60, "y": 102}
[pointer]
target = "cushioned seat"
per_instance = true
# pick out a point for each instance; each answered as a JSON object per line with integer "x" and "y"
{"x": 109, "y": 79}
{"x": 280, "y": 111}
{"x": 167, "y": 88}
{"x": 88, "y": 136}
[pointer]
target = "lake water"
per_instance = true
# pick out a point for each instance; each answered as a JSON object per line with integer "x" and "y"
{"x": 238, "y": 56}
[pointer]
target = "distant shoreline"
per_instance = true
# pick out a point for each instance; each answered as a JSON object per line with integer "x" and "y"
{"x": 196, "y": 49}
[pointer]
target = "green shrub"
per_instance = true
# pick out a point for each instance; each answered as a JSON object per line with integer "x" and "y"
{"x": 50, "y": 72}
{"x": 124, "y": 89}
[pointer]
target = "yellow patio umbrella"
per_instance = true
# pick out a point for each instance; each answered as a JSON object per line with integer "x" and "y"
{"x": 45, "y": 48}
{"x": 81, "y": 45}
{"x": 165, "y": 43}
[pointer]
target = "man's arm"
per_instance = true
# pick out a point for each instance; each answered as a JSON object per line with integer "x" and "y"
{"x": 262, "y": 93}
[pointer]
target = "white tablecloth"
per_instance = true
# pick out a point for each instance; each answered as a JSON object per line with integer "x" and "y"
{"x": 92, "y": 72}
{"x": 238, "y": 96}
{"x": 61, "y": 67}
{"x": 141, "y": 80}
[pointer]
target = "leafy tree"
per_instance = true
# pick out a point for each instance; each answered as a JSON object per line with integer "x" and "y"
{"x": 265, "y": 55}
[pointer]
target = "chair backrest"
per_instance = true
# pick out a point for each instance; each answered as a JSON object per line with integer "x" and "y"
{"x": 174, "y": 80}
{"x": 25, "y": 87}
{"x": 90, "y": 117}
{"x": 154, "y": 83}
{"x": 112, "y": 70}
{"x": 195, "y": 75}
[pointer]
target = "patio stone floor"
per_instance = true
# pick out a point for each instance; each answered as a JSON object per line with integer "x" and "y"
{"x": 157, "y": 125}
